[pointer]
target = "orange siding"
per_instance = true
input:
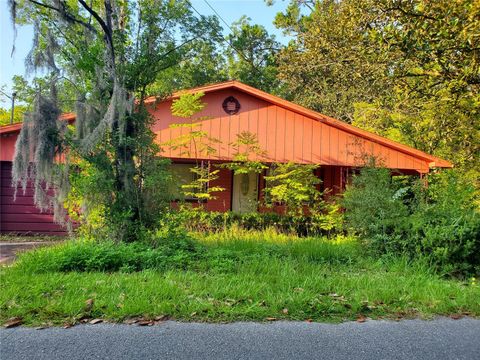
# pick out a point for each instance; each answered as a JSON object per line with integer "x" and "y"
{"x": 282, "y": 133}
{"x": 7, "y": 146}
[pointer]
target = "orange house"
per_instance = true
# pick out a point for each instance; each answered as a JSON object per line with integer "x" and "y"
{"x": 284, "y": 131}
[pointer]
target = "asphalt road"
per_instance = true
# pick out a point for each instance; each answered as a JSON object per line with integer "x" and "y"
{"x": 409, "y": 339}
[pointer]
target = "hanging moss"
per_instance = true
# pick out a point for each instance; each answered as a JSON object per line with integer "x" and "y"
{"x": 36, "y": 151}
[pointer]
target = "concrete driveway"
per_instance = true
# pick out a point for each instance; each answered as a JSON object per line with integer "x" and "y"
{"x": 409, "y": 339}
{"x": 8, "y": 250}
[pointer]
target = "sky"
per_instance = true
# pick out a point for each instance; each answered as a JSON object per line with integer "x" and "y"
{"x": 229, "y": 10}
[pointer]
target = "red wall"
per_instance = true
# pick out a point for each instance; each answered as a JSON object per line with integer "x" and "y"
{"x": 20, "y": 215}
{"x": 223, "y": 201}
{"x": 7, "y": 146}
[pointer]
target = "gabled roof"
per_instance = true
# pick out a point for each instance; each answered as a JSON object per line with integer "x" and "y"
{"x": 275, "y": 100}
{"x": 233, "y": 84}
{"x": 70, "y": 117}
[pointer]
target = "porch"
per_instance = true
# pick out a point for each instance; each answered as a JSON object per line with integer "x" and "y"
{"x": 244, "y": 192}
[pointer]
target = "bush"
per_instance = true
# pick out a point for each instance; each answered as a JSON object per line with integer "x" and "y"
{"x": 324, "y": 222}
{"x": 165, "y": 249}
{"x": 394, "y": 216}
{"x": 445, "y": 223}
{"x": 375, "y": 210}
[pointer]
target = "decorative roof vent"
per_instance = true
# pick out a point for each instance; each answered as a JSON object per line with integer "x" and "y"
{"x": 231, "y": 105}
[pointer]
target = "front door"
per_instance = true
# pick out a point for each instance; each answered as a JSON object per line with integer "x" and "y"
{"x": 245, "y": 188}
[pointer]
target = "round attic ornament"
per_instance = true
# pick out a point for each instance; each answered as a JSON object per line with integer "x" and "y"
{"x": 231, "y": 105}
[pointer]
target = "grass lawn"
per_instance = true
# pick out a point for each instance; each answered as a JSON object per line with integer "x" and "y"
{"x": 238, "y": 276}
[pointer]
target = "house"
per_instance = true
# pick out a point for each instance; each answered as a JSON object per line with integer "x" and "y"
{"x": 284, "y": 131}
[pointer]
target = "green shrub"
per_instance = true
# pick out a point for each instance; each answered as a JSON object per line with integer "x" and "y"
{"x": 322, "y": 222}
{"x": 160, "y": 253}
{"x": 439, "y": 221}
{"x": 375, "y": 210}
{"x": 446, "y": 223}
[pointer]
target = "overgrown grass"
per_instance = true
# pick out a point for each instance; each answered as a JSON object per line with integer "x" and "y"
{"x": 233, "y": 275}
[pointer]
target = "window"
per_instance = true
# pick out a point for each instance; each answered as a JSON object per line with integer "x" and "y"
{"x": 182, "y": 175}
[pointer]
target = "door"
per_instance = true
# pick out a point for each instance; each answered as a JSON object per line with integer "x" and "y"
{"x": 245, "y": 191}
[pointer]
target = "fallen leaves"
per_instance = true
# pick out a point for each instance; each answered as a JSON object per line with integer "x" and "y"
{"x": 95, "y": 321}
{"x": 141, "y": 321}
{"x": 145, "y": 323}
{"x": 361, "y": 319}
{"x": 13, "y": 322}
{"x": 285, "y": 311}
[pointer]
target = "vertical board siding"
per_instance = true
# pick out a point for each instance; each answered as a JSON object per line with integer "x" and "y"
{"x": 283, "y": 134}
{"x": 271, "y": 132}
{"x": 222, "y": 201}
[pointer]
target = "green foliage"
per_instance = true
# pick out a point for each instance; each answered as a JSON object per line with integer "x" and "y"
{"x": 374, "y": 207}
{"x": 407, "y": 70}
{"x": 232, "y": 276}
{"x": 195, "y": 143}
{"x": 326, "y": 222}
{"x": 440, "y": 222}
{"x": 171, "y": 248}
{"x": 188, "y": 105}
{"x": 331, "y": 63}
{"x": 200, "y": 187}
{"x": 246, "y": 54}
{"x": 247, "y": 155}
{"x": 109, "y": 257}
{"x": 5, "y": 115}
{"x": 292, "y": 185}
{"x": 446, "y": 223}
{"x": 251, "y": 55}
{"x": 108, "y": 53}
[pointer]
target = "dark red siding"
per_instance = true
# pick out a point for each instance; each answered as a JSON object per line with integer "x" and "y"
{"x": 20, "y": 216}
{"x": 223, "y": 201}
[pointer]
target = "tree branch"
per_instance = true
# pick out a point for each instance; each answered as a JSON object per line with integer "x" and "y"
{"x": 106, "y": 29}
{"x": 64, "y": 13}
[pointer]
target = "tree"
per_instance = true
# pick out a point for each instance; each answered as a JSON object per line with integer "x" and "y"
{"x": 247, "y": 155}
{"x": 436, "y": 94}
{"x": 251, "y": 55}
{"x": 408, "y": 70}
{"x": 197, "y": 144}
{"x": 5, "y": 115}
{"x": 110, "y": 52}
{"x": 332, "y": 61}
{"x": 199, "y": 62}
